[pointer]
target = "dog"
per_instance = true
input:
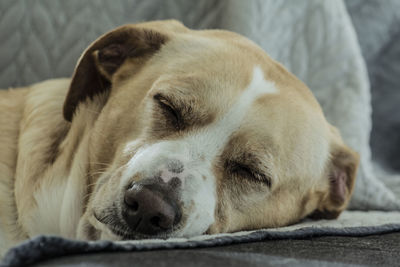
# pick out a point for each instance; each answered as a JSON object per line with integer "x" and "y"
{"x": 163, "y": 131}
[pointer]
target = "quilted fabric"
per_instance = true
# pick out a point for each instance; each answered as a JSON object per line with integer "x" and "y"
{"x": 313, "y": 38}
{"x": 353, "y": 223}
{"x": 378, "y": 26}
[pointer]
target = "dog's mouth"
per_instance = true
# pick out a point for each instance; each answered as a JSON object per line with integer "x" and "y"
{"x": 114, "y": 224}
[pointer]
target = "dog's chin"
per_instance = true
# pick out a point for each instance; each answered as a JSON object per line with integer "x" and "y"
{"x": 112, "y": 227}
{"x": 117, "y": 231}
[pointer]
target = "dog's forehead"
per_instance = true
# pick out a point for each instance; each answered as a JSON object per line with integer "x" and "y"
{"x": 229, "y": 61}
{"x": 212, "y": 139}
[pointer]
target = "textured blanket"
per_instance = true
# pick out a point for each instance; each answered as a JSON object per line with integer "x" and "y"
{"x": 378, "y": 28}
{"x": 350, "y": 223}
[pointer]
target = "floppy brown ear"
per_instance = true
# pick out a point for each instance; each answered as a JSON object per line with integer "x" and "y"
{"x": 94, "y": 71}
{"x": 342, "y": 171}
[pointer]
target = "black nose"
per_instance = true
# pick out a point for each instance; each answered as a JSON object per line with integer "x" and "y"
{"x": 150, "y": 211}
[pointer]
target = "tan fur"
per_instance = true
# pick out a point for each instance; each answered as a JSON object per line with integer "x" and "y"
{"x": 55, "y": 174}
{"x": 11, "y": 109}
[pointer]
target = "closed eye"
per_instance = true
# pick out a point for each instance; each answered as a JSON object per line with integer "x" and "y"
{"x": 250, "y": 174}
{"x": 171, "y": 113}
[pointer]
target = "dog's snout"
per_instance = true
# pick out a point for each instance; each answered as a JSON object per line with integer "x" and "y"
{"x": 175, "y": 166}
{"x": 173, "y": 169}
{"x": 150, "y": 211}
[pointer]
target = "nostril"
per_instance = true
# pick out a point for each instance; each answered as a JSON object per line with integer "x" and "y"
{"x": 134, "y": 206}
{"x": 161, "y": 221}
{"x": 155, "y": 221}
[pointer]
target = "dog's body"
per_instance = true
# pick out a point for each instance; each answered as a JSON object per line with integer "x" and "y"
{"x": 167, "y": 132}
{"x": 42, "y": 136}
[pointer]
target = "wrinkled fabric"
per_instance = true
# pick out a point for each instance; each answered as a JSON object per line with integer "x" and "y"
{"x": 378, "y": 27}
{"x": 350, "y": 223}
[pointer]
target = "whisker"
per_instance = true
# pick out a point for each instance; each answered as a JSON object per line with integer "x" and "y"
{"x": 92, "y": 110}
{"x": 98, "y": 172}
{"x": 86, "y": 197}
{"x": 100, "y": 163}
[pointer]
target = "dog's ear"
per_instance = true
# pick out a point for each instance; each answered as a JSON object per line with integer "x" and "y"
{"x": 341, "y": 174}
{"x": 94, "y": 71}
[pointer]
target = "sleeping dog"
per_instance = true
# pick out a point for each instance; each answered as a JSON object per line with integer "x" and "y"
{"x": 163, "y": 131}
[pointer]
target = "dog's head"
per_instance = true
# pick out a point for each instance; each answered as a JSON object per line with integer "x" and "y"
{"x": 200, "y": 131}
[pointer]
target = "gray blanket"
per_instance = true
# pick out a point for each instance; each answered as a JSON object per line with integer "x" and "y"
{"x": 44, "y": 248}
{"x": 350, "y": 223}
{"x": 374, "y": 250}
{"x": 378, "y": 27}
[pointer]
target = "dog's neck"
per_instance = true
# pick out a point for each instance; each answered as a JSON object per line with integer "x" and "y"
{"x": 55, "y": 150}
{"x": 11, "y": 110}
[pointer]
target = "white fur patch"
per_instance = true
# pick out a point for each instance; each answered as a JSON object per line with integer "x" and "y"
{"x": 211, "y": 140}
{"x": 197, "y": 152}
{"x": 46, "y": 219}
